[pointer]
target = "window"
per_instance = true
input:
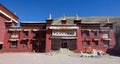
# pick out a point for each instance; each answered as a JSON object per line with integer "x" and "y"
{"x": 95, "y": 34}
{"x": 108, "y": 34}
{"x": 13, "y": 44}
{"x": 14, "y": 35}
{"x": 88, "y": 44}
{"x": 105, "y": 35}
{"x": 87, "y": 33}
{"x": 96, "y": 43}
{"x": 35, "y": 34}
{"x": 26, "y": 34}
{"x": 106, "y": 43}
{"x": 25, "y": 44}
{"x": 10, "y": 34}
{"x": 63, "y": 22}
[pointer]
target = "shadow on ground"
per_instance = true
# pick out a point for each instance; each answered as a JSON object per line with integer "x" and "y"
{"x": 114, "y": 52}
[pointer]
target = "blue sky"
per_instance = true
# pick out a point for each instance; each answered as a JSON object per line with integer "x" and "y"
{"x": 38, "y": 10}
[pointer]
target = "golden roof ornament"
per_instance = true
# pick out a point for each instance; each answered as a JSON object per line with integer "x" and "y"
{"x": 11, "y": 19}
{"x": 108, "y": 20}
{"x": 49, "y": 17}
{"x": 64, "y": 18}
{"x": 76, "y": 17}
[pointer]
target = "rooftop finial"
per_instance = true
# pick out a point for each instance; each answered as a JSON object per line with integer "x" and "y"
{"x": 64, "y": 17}
{"x": 11, "y": 18}
{"x": 50, "y": 16}
{"x": 108, "y": 20}
{"x": 76, "y": 17}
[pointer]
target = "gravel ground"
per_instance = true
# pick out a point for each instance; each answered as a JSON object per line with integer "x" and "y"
{"x": 42, "y": 58}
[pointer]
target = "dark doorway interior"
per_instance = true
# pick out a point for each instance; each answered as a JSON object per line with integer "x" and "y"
{"x": 64, "y": 45}
{"x": 1, "y": 46}
{"x": 35, "y": 46}
{"x": 42, "y": 46}
{"x": 38, "y": 46}
{"x": 56, "y": 45}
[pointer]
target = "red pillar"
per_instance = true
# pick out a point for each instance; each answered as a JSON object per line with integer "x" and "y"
{"x": 30, "y": 39}
{"x": 48, "y": 40}
{"x": 112, "y": 37}
{"x": 79, "y": 40}
{"x": 100, "y": 42}
{"x": 91, "y": 37}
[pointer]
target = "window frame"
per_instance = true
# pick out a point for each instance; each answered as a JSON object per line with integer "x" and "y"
{"x": 15, "y": 45}
{"x": 25, "y": 34}
{"x": 25, "y": 45}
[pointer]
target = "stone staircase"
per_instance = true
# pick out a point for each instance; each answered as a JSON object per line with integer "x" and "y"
{"x": 62, "y": 51}
{"x": 65, "y": 51}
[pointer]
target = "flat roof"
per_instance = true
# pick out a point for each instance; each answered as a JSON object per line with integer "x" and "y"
{"x": 32, "y": 22}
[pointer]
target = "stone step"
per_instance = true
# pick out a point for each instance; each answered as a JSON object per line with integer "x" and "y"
{"x": 62, "y": 51}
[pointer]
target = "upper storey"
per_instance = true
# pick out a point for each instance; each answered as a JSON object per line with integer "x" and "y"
{"x": 84, "y": 22}
{"x": 4, "y": 12}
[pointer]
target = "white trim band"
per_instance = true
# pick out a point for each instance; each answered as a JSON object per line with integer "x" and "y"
{"x": 7, "y": 16}
{"x": 55, "y": 27}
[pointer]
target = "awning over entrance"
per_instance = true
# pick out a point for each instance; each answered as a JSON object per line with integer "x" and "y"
{"x": 35, "y": 29}
{"x": 26, "y": 30}
{"x": 63, "y": 27}
{"x": 64, "y": 37}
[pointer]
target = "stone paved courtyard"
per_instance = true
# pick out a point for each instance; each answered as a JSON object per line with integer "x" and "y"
{"x": 42, "y": 58}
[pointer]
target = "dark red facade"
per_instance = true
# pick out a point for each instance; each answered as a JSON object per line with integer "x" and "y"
{"x": 54, "y": 34}
{"x": 7, "y": 19}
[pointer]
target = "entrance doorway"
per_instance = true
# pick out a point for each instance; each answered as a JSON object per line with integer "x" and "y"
{"x": 1, "y": 46}
{"x": 42, "y": 46}
{"x": 35, "y": 46}
{"x": 64, "y": 45}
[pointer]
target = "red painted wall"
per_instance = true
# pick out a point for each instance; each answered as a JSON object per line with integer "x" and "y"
{"x": 48, "y": 40}
{"x": 2, "y": 28}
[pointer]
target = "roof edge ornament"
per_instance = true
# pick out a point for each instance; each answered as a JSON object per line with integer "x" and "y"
{"x": 64, "y": 17}
{"x": 76, "y": 17}
{"x": 108, "y": 20}
{"x": 11, "y": 19}
{"x": 49, "y": 17}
